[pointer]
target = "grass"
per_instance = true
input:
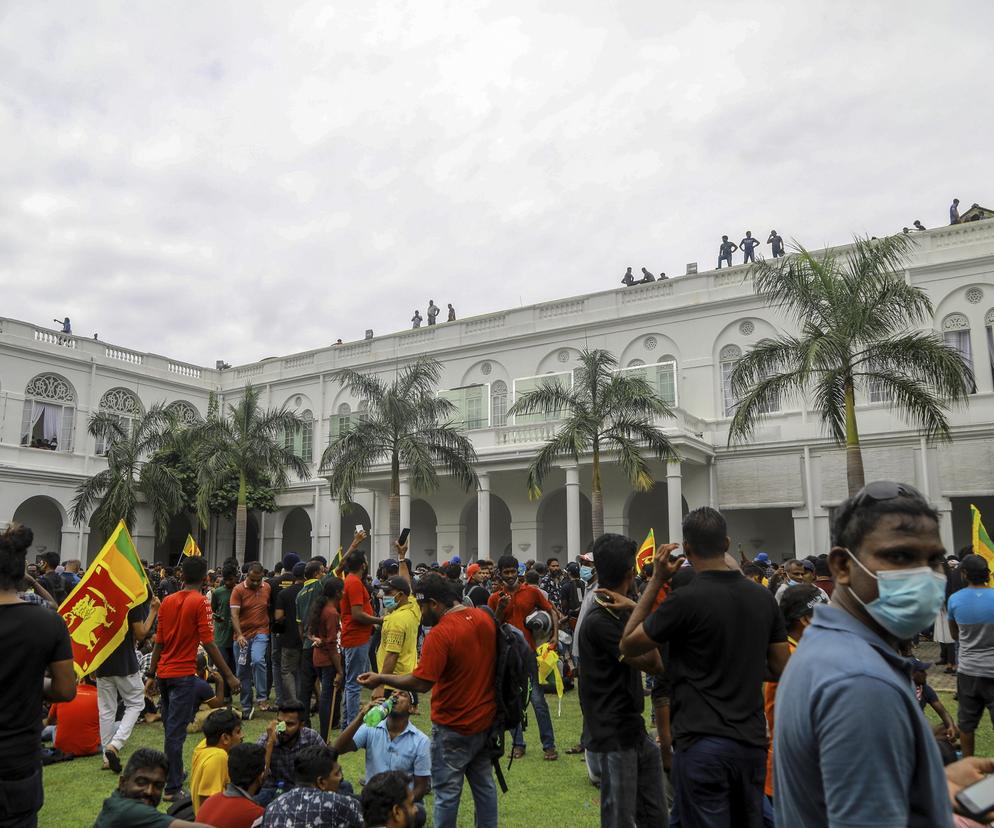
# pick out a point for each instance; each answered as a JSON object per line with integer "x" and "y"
{"x": 538, "y": 790}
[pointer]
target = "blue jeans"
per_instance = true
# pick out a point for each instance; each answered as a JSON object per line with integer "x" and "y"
{"x": 356, "y": 662}
{"x": 454, "y": 756}
{"x": 542, "y": 716}
{"x": 178, "y": 706}
{"x": 632, "y": 786}
{"x": 254, "y": 668}
{"x": 718, "y": 783}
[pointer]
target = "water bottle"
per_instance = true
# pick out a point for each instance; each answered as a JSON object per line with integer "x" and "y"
{"x": 243, "y": 654}
{"x": 378, "y": 713}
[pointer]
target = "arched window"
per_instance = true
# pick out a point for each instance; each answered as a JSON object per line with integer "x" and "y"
{"x": 498, "y": 403}
{"x": 340, "y": 423}
{"x": 301, "y": 441}
{"x": 635, "y": 363}
{"x": 125, "y": 407}
{"x": 184, "y": 412}
{"x": 729, "y": 356}
{"x": 956, "y": 333}
{"x": 49, "y": 413}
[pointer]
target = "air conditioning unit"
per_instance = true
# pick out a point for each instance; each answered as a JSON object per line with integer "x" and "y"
{"x": 691, "y": 268}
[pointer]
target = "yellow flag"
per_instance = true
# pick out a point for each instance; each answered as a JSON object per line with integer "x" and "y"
{"x": 96, "y": 611}
{"x": 190, "y": 549}
{"x": 548, "y": 660}
{"x": 982, "y": 544}
{"x": 647, "y": 551}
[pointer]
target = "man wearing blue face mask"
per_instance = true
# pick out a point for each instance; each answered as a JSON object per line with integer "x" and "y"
{"x": 398, "y": 651}
{"x": 852, "y": 746}
{"x": 795, "y": 577}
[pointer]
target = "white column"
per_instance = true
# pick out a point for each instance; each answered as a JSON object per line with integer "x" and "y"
{"x": 572, "y": 515}
{"x": 674, "y": 500}
{"x": 334, "y": 528}
{"x": 405, "y": 503}
{"x": 483, "y": 517}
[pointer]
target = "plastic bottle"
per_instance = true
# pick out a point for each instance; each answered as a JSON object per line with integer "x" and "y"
{"x": 377, "y": 714}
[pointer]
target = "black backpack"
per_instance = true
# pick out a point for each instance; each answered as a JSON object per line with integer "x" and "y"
{"x": 512, "y": 678}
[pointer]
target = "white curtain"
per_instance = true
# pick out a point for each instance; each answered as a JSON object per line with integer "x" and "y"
{"x": 51, "y": 420}
{"x": 960, "y": 340}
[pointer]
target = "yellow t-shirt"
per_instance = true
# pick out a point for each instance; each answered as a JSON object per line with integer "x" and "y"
{"x": 400, "y": 636}
{"x": 208, "y": 774}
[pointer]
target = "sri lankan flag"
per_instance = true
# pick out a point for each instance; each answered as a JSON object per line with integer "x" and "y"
{"x": 337, "y": 564}
{"x": 646, "y": 553}
{"x": 190, "y": 549}
{"x": 96, "y": 611}
{"x": 982, "y": 544}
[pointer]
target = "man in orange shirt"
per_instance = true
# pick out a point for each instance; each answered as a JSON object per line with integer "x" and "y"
{"x": 77, "y": 723}
{"x": 184, "y": 625}
{"x": 357, "y": 628}
{"x": 512, "y": 604}
{"x": 250, "y": 627}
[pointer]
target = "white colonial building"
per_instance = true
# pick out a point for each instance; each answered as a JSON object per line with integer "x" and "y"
{"x": 684, "y": 335}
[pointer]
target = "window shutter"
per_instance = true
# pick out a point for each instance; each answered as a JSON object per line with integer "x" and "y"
{"x": 26, "y": 422}
{"x": 68, "y": 427}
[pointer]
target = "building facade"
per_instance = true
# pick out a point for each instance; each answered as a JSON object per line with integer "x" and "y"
{"x": 683, "y": 335}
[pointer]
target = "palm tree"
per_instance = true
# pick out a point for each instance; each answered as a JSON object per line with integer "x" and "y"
{"x": 130, "y": 475}
{"x": 859, "y": 324}
{"x": 249, "y": 443}
{"x": 406, "y": 425}
{"x": 604, "y": 410}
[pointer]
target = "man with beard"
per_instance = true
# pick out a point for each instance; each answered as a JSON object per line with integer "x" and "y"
{"x": 457, "y": 664}
{"x": 139, "y": 790}
{"x": 283, "y": 740}
{"x": 388, "y": 801}
{"x": 553, "y": 583}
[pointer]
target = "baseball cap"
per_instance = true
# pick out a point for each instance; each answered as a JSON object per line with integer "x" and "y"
{"x": 471, "y": 570}
{"x": 456, "y": 559}
{"x": 398, "y": 584}
{"x": 974, "y": 565}
{"x": 573, "y": 568}
{"x": 298, "y": 569}
{"x": 587, "y": 558}
{"x": 920, "y": 666}
{"x": 762, "y": 557}
{"x": 390, "y": 565}
{"x": 808, "y": 565}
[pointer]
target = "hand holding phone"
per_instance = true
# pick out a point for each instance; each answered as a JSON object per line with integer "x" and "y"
{"x": 402, "y": 540}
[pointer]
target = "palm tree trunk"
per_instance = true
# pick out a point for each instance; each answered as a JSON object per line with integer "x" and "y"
{"x": 596, "y": 497}
{"x": 854, "y": 455}
{"x": 241, "y": 518}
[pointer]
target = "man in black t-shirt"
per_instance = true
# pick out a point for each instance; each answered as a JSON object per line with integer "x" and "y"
{"x": 726, "y": 635}
{"x": 168, "y": 583}
{"x": 119, "y": 678}
{"x": 282, "y": 579}
{"x": 611, "y": 698}
{"x": 288, "y": 633}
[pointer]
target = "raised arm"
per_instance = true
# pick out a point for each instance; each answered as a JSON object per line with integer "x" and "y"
{"x": 634, "y": 641}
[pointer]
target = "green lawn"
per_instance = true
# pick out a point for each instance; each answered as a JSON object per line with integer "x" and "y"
{"x": 539, "y": 791}
{"x": 75, "y": 790}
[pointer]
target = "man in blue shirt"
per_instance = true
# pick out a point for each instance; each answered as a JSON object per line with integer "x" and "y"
{"x": 851, "y": 745}
{"x": 392, "y": 745}
{"x": 971, "y": 621}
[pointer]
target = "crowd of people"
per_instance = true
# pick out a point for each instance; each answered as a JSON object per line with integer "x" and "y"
{"x": 779, "y": 694}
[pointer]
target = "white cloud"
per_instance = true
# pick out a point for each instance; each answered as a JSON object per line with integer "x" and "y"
{"x": 238, "y": 179}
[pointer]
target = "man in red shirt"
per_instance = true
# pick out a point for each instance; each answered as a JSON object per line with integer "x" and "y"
{"x": 357, "y": 628}
{"x": 457, "y": 665}
{"x": 250, "y": 626}
{"x": 184, "y": 624}
{"x": 77, "y": 723}
{"x": 512, "y": 604}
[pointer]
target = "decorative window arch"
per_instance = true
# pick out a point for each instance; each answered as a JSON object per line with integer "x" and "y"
{"x": 184, "y": 412}
{"x": 498, "y": 402}
{"x": 49, "y": 414}
{"x": 728, "y": 358}
{"x": 125, "y": 407}
{"x": 340, "y": 424}
{"x": 956, "y": 334}
{"x": 636, "y": 362}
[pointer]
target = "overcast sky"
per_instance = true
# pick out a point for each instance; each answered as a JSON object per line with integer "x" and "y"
{"x": 239, "y": 180}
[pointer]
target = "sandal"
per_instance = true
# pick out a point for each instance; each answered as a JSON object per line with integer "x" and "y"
{"x": 576, "y": 749}
{"x": 551, "y": 755}
{"x": 517, "y": 752}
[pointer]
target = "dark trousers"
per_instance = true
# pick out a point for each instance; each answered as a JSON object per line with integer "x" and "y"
{"x": 325, "y": 711}
{"x": 306, "y": 678}
{"x": 228, "y": 653}
{"x": 178, "y": 706}
{"x": 718, "y": 783}
{"x": 20, "y": 800}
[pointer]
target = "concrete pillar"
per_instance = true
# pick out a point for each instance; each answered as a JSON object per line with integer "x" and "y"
{"x": 945, "y": 509}
{"x": 382, "y": 543}
{"x": 572, "y": 512}
{"x": 405, "y": 503}
{"x": 524, "y": 540}
{"x": 674, "y": 502}
{"x": 483, "y": 516}
{"x": 334, "y": 528}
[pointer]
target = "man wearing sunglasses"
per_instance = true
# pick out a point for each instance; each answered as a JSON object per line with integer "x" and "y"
{"x": 852, "y": 746}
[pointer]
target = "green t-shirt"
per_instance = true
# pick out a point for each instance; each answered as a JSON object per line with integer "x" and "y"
{"x": 221, "y": 609}
{"x": 121, "y": 812}
{"x": 305, "y": 599}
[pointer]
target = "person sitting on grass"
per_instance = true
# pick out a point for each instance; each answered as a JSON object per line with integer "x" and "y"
{"x": 927, "y": 696}
{"x": 388, "y": 801}
{"x": 315, "y": 799}
{"x": 393, "y": 745}
{"x": 235, "y": 806}
{"x": 209, "y": 771}
{"x": 139, "y": 790}
{"x": 76, "y": 724}
{"x": 283, "y": 740}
